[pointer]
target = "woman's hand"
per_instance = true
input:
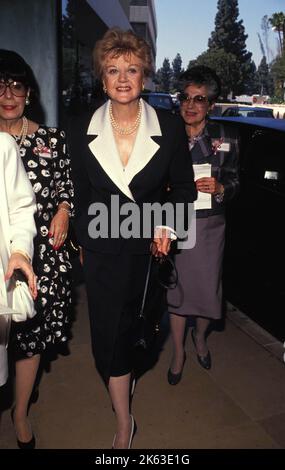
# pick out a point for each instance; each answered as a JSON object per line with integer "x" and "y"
{"x": 18, "y": 261}
{"x": 160, "y": 245}
{"x": 209, "y": 185}
{"x": 59, "y": 227}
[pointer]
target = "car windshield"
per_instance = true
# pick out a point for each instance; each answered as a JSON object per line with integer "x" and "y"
{"x": 157, "y": 101}
{"x": 255, "y": 113}
{"x": 238, "y": 112}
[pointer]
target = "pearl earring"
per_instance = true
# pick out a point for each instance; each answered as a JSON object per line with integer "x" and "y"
{"x": 104, "y": 88}
{"x": 27, "y": 101}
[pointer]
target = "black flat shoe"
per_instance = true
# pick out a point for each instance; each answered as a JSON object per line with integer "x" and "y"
{"x": 31, "y": 444}
{"x": 174, "y": 379}
{"x": 204, "y": 361}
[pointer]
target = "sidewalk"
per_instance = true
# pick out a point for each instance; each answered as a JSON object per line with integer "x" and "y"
{"x": 238, "y": 404}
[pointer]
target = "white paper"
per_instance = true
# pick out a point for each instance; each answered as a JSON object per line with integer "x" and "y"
{"x": 224, "y": 147}
{"x": 204, "y": 200}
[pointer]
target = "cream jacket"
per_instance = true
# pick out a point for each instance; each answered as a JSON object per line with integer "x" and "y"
{"x": 17, "y": 226}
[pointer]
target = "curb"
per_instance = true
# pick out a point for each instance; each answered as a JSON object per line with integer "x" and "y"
{"x": 256, "y": 332}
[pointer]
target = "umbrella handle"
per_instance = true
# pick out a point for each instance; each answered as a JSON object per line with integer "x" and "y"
{"x": 141, "y": 313}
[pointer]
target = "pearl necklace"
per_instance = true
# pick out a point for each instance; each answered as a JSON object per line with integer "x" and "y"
{"x": 125, "y": 130}
{"x": 24, "y": 131}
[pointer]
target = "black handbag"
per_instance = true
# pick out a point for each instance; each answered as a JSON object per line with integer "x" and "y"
{"x": 161, "y": 276}
{"x": 71, "y": 243}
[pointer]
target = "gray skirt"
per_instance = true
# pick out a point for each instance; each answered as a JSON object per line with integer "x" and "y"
{"x": 199, "y": 288}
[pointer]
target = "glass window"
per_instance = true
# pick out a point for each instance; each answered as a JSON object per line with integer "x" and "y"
{"x": 160, "y": 102}
{"x": 139, "y": 3}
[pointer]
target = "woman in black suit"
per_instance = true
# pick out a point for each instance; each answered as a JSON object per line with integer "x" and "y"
{"x": 128, "y": 157}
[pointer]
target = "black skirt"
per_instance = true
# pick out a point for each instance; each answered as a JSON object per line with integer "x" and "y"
{"x": 114, "y": 284}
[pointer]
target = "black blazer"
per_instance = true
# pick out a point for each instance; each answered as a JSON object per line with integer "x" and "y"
{"x": 160, "y": 159}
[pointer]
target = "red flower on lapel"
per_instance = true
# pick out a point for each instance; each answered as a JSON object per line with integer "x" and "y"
{"x": 42, "y": 151}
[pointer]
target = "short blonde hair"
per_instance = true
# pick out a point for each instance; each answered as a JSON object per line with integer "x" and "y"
{"x": 117, "y": 42}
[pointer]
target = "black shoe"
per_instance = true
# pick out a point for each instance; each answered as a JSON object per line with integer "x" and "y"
{"x": 204, "y": 361}
{"x": 174, "y": 379}
{"x": 31, "y": 444}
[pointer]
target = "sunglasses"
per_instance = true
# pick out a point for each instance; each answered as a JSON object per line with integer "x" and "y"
{"x": 17, "y": 88}
{"x": 197, "y": 99}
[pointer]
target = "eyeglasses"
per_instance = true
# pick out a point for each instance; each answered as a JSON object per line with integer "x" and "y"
{"x": 200, "y": 100}
{"x": 16, "y": 88}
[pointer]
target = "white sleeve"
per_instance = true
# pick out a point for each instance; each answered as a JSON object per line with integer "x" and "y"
{"x": 20, "y": 198}
{"x": 170, "y": 232}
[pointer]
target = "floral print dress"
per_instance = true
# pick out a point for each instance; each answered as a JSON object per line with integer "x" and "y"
{"x": 47, "y": 164}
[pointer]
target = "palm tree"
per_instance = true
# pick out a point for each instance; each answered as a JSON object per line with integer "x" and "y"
{"x": 277, "y": 21}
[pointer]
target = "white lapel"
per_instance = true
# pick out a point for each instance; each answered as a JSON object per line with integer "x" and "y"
{"x": 105, "y": 150}
{"x": 144, "y": 147}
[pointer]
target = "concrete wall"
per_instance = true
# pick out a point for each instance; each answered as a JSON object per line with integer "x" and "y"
{"x": 29, "y": 27}
{"x": 111, "y": 13}
{"x": 144, "y": 14}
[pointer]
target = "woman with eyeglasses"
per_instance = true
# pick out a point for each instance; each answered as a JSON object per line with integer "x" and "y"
{"x": 123, "y": 159}
{"x": 43, "y": 153}
{"x": 214, "y": 151}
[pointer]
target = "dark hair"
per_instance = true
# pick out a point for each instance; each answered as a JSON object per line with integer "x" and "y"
{"x": 13, "y": 66}
{"x": 202, "y": 75}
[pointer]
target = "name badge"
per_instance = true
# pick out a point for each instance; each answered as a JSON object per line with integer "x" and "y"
{"x": 224, "y": 147}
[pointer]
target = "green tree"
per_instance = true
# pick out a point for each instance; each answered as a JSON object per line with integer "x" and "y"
{"x": 177, "y": 70}
{"x": 264, "y": 78}
{"x": 164, "y": 76}
{"x": 68, "y": 25}
{"x": 229, "y": 35}
{"x": 278, "y": 74}
{"x": 225, "y": 65}
{"x": 252, "y": 84}
{"x": 69, "y": 50}
{"x": 277, "y": 20}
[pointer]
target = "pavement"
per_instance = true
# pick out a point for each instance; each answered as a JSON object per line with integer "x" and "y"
{"x": 238, "y": 404}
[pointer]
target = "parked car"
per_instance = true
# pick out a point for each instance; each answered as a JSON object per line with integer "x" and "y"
{"x": 248, "y": 111}
{"x": 255, "y": 242}
{"x": 160, "y": 101}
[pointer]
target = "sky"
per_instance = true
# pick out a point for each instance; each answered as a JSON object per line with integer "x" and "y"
{"x": 185, "y": 26}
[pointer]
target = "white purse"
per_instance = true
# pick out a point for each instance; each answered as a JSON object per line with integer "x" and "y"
{"x": 22, "y": 304}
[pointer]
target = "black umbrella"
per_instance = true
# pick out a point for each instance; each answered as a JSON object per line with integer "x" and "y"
{"x": 161, "y": 275}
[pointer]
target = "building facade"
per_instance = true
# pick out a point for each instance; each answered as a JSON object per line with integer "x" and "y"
{"x": 142, "y": 17}
{"x": 32, "y": 31}
{"x": 56, "y": 38}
